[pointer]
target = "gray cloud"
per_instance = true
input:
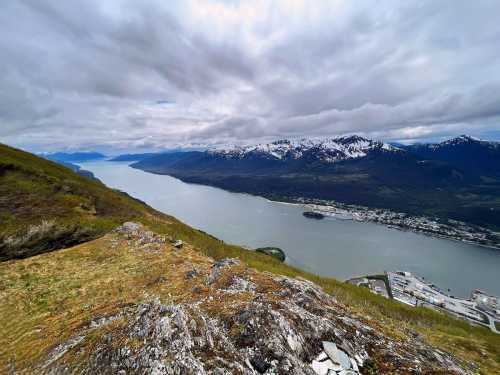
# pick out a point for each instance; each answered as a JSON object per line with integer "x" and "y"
{"x": 84, "y": 74}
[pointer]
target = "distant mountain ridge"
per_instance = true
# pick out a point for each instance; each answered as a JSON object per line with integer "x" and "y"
{"x": 460, "y": 140}
{"x": 456, "y": 179}
{"x": 465, "y": 139}
{"x": 465, "y": 152}
{"x": 146, "y": 155}
{"x": 133, "y": 157}
{"x": 74, "y": 157}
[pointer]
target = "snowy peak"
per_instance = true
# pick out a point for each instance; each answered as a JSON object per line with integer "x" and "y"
{"x": 328, "y": 150}
{"x": 464, "y": 140}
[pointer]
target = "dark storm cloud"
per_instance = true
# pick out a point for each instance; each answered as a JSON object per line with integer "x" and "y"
{"x": 86, "y": 73}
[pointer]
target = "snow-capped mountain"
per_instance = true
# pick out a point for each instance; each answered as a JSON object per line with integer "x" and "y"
{"x": 459, "y": 178}
{"x": 464, "y": 152}
{"x": 461, "y": 143}
{"x": 463, "y": 140}
{"x": 328, "y": 150}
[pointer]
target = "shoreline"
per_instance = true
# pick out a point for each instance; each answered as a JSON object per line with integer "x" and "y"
{"x": 469, "y": 234}
{"x": 365, "y": 214}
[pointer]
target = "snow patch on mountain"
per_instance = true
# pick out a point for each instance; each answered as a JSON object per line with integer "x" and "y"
{"x": 329, "y": 150}
{"x": 463, "y": 139}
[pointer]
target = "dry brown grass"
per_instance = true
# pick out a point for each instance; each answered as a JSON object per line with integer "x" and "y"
{"x": 47, "y": 298}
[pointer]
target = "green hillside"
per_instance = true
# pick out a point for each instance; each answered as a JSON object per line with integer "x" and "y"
{"x": 45, "y": 206}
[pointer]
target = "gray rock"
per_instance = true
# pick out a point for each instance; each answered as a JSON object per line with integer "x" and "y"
{"x": 277, "y": 331}
{"x": 61, "y": 349}
{"x": 348, "y": 372}
{"x": 331, "y": 350}
{"x": 192, "y": 274}
{"x": 259, "y": 364}
{"x": 336, "y": 355}
{"x": 354, "y": 365}
{"x": 218, "y": 266}
{"x": 241, "y": 285}
{"x": 323, "y": 365}
{"x": 130, "y": 227}
{"x": 345, "y": 361}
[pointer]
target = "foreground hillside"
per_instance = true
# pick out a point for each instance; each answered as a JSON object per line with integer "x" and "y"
{"x": 45, "y": 206}
{"x": 128, "y": 302}
{"x": 459, "y": 179}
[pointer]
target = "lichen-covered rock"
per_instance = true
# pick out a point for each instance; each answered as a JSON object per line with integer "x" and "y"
{"x": 129, "y": 227}
{"x": 286, "y": 326}
{"x": 218, "y": 266}
{"x": 225, "y": 318}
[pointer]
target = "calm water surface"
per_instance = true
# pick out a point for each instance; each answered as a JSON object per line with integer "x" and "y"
{"x": 328, "y": 247}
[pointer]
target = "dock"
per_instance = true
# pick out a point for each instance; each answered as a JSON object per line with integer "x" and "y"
{"x": 404, "y": 287}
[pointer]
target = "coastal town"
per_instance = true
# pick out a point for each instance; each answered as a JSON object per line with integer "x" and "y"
{"x": 480, "y": 308}
{"x": 449, "y": 229}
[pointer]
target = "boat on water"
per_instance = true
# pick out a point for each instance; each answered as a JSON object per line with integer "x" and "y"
{"x": 313, "y": 215}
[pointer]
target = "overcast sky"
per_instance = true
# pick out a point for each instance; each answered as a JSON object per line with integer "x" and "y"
{"x": 124, "y": 75}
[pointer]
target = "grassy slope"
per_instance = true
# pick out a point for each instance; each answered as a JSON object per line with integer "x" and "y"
{"x": 60, "y": 207}
{"x": 55, "y": 293}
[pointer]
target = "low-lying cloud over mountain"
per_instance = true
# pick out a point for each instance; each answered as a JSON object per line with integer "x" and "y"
{"x": 156, "y": 74}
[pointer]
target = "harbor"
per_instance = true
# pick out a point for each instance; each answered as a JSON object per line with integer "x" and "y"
{"x": 481, "y": 308}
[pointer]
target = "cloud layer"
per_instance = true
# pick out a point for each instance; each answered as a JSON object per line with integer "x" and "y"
{"x": 156, "y": 74}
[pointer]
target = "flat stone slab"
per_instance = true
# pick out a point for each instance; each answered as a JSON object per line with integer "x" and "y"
{"x": 323, "y": 365}
{"x": 336, "y": 355}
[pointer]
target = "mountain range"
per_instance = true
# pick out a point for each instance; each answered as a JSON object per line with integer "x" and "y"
{"x": 323, "y": 150}
{"x": 133, "y": 157}
{"x": 455, "y": 179}
{"x": 74, "y": 157}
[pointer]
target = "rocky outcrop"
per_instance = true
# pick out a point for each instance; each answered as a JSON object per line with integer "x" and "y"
{"x": 235, "y": 320}
{"x": 40, "y": 238}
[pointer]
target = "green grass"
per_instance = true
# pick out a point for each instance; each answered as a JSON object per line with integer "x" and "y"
{"x": 33, "y": 190}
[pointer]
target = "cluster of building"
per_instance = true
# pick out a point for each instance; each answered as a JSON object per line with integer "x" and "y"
{"x": 451, "y": 229}
{"x": 412, "y": 290}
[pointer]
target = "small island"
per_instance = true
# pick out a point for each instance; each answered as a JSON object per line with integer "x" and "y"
{"x": 275, "y": 252}
{"x": 313, "y": 215}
